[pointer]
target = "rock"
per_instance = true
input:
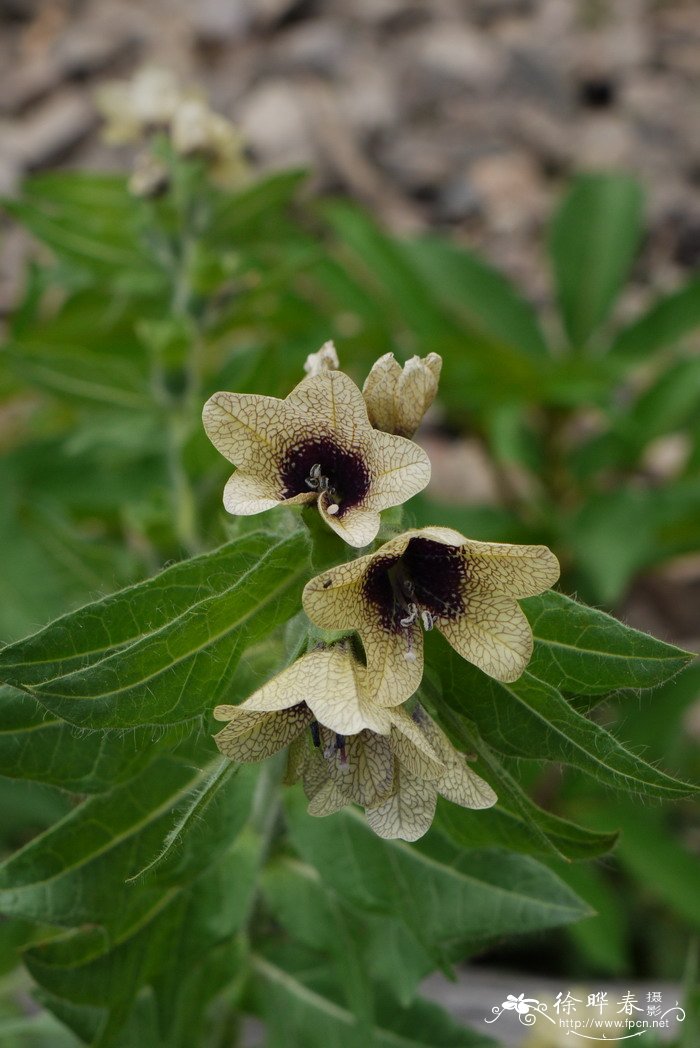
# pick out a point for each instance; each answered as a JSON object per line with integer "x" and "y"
{"x": 455, "y": 52}
{"x": 547, "y": 135}
{"x": 220, "y": 21}
{"x": 55, "y": 128}
{"x": 21, "y": 87}
{"x": 94, "y": 45}
{"x": 511, "y": 190}
{"x": 457, "y": 200}
{"x": 604, "y": 140}
{"x": 9, "y": 174}
{"x": 275, "y": 125}
{"x": 318, "y": 46}
{"x": 369, "y": 97}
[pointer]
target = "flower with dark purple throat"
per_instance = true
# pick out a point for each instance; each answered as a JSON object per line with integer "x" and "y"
{"x": 317, "y": 445}
{"x": 326, "y": 687}
{"x": 396, "y": 776}
{"x": 433, "y": 577}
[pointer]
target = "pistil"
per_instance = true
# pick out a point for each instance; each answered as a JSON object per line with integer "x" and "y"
{"x": 317, "y": 481}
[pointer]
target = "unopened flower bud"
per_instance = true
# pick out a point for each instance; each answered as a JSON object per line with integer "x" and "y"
{"x": 198, "y": 131}
{"x": 326, "y": 359}
{"x": 398, "y": 397}
{"x": 149, "y": 178}
{"x": 133, "y": 107}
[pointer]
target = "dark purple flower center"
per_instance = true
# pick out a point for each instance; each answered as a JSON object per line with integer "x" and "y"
{"x": 320, "y": 464}
{"x": 424, "y": 583}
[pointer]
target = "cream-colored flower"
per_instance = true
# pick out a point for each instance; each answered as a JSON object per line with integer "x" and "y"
{"x": 395, "y": 777}
{"x": 197, "y": 131}
{"x": 434, "y": 577}
{"x": 149, "y": 178}
{"x": 398, "y": 397}
{"x": 315, "y": 446}
{"x": 329, "y": 682}
{"x": 132, "y": 107}
{"x": 325, "y": 359}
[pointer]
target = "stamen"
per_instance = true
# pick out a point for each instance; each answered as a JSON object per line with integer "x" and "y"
{"x": 409, "y": 654}
{"x": 320, "y": 483}
{"x": 314, "y": 478}
{"x": 427, "y": 619}
{"x": 411, "y": 617}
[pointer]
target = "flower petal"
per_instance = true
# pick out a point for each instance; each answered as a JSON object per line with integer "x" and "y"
{"x": 327, "y": 800}
{"x": 408, "y": 813}
{"x": 415, "y": 391}
{"x": 399, "y": 468}
{"x": 249, "y": 430}
{"x": 513, "y": 571}
{"x": 493, "y": 633}
{"x": 357, "y": 526}
{"x": 335, "y": 600}
{"x": 246, "y": 494}
{"x": 413, "y": 748}
{"x": 268, "y": 733}
{"x": 333, "y": 399}
{"x": 367, "y": 774}
{"x": 394, "y": 663}
{"x": 379, "y": 392}
{"x": 332, "y": 683}
{"x": 458, "y": 783}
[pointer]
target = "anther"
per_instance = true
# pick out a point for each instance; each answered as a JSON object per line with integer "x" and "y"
{"x": 411, "y": 617}
{"x": 427, "y": 620}
{"x": 314, "y": 479}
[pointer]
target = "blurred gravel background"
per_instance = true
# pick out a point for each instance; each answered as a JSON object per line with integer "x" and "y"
{"x": 467, "y": 115}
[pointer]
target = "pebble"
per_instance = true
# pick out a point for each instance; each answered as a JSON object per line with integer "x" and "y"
{"x": 275, "y": 125}
{"x": 60, "y": 123}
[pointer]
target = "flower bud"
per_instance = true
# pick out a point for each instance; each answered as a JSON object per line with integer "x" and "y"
{"x": 198, "y": 131}
{"x": 133, "y": 107}
{"x": 150, "y": 178}
{"x": 326, "y": 359}
{"x": 397, "y": 398}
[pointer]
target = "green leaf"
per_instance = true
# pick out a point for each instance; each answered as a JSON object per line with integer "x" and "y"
{"x": 584, "y": 651}
{"x": 416, "y": 313}
{"x": 78, "y": 870}
{"x": 483, "y": 299}
{"x": 530, "y": 718}
{"x": 301, "y": 1010}
{"x": 308, "y": 910}
{"x": 658, "y": 860}
{"x": 668, "y": 321}
{"x": 239, "y": 215}
{"x": 38, "y": 746}
{"x": 162, "y": 651}
{"x": 82, "y": 374}
{"x": 87, "y": 220}
{"x": 602, "y": 940}
{"x": 443, "y": 895}
{"x": 667, "y": 406}
{"x": 164, "y": 950}
{"x": 595, "y": 236}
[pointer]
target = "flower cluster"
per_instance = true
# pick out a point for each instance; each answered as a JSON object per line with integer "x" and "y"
{"x": 153, "y": 101}
{"x": 345, "y": 717}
